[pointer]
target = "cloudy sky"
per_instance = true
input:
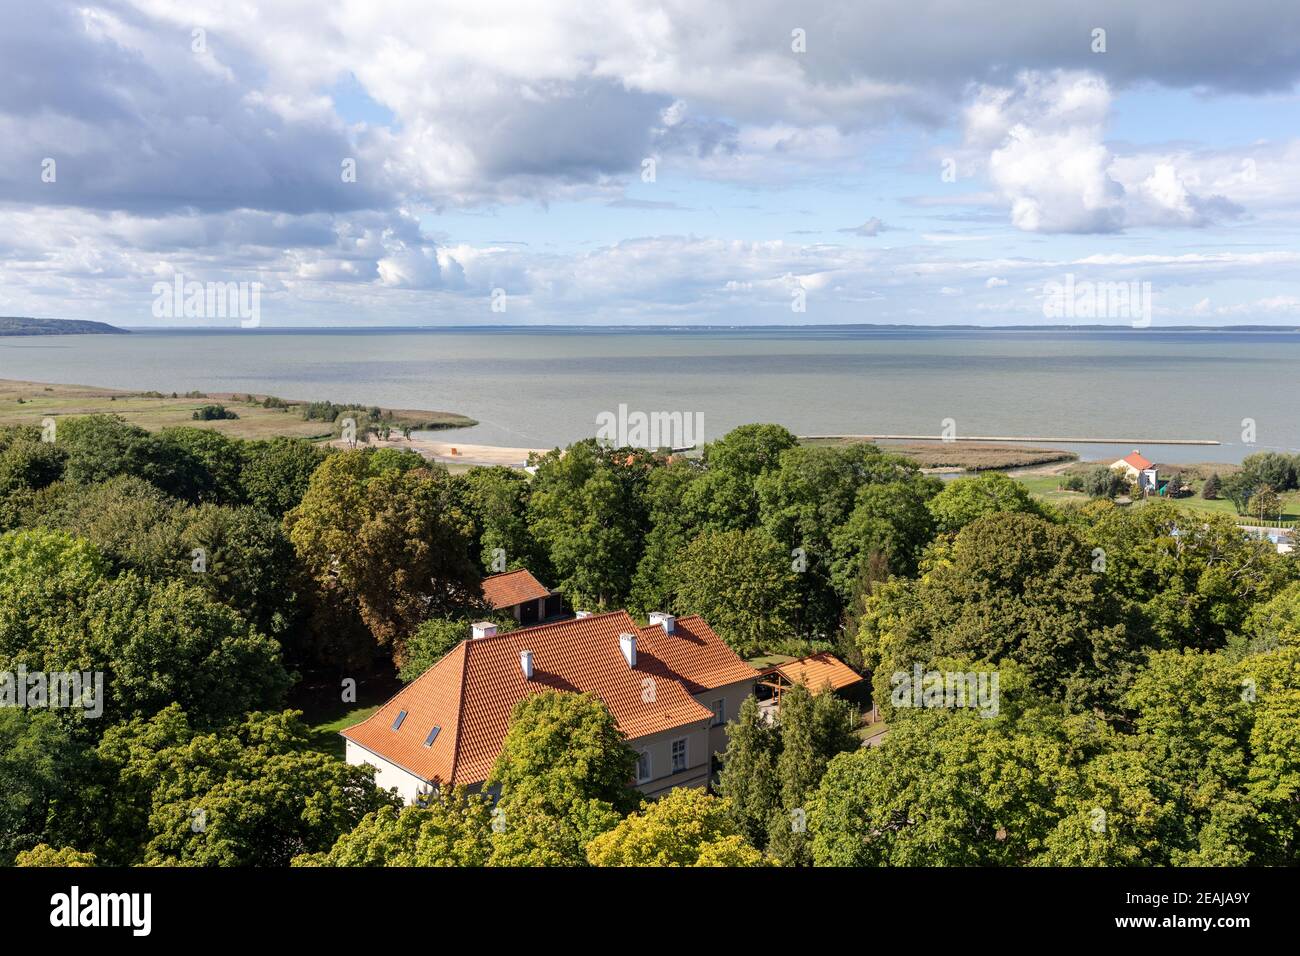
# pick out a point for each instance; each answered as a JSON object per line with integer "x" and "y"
{"x": 902, "y": 161}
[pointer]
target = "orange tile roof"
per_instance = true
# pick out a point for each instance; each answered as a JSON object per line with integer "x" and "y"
{"x": 699, "y": 658}
{"x": 1136, "y": 460}
{"x": 817, "y": 671}
{"x": 471, "y": 692}
{"x": 513, "y": 587}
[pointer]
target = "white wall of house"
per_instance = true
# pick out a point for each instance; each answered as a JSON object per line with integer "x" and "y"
{"x": 389, "y": 775}
{"x": 659, "y": 748}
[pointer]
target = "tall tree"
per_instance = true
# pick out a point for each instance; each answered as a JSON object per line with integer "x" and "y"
{"x": 813, "y": 730}
{"x": 1010, "y": 587}
{"x": 587, "y": 510}
{"x": 748, "y": 779}
{"x": 497, "y": 501}
{"x": 743, "y": 584}
{"x": 394, "y": 542}
{"x": 564, "y": 775}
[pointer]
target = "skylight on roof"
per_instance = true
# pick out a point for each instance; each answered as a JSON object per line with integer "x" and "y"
{"x": 433, "y": 735}
{"x": 397, "y": 722}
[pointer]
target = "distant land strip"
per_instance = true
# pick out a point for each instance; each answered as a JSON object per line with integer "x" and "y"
{"x": 25, "y": 325}
{"x": 1064, "y": 441}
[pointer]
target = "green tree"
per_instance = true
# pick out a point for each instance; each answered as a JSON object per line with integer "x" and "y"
{"x": 748, "y": 779}
{"x": 129, "y": 521}
{"x": 451, "y": 828}
{"x": 434, "y": 638}
{"x": 672, "y": 525}
{"x": 1010, "y": 587}
{"x": 1210, "y": 490}
{"x": 154, "y": 643}
{"x": 26, "y": 462}
{"x": 244, "y": 558}
{"x": 686, "y": 827}
{"x": 943, "y": 789}
{"x": 275, "y": 473}
{"x": 497, "y": 500}
{"x": 1273, "y": 469}
{"x": 39, "y": 769}
{"x": 724, "y": 497}
{"x": 965, "y": 500}
{"x": 1238, "y": 489}
{"x": 813, "y": 730}
{"x": 219, "y": 455}
{"x": 742, "y": 583}
{"x": 100, "y": 447}
{"x": 1183, "y": 583}
{"x": 889, "y": 519}
{"x": 1265, "y": 504}
{"x": 1104, "y": 482}
{"x": 587, "y": 511}
{"x": 394, "y": 542}
{"x": 46, "y": 855}
{"x": 255, "y": 796}
{"x": 564, "y": 774}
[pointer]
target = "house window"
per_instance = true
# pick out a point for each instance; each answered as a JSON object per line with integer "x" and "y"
{"x": 643, "y": 766}
{"x": 679, "y": 755}
{"x": 719, "y": 712}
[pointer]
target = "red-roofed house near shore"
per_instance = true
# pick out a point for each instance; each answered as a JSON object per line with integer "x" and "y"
{"x": 1138, "y": 469}
{"x": 671, "y": 687}
{"x": 522, "y": 596}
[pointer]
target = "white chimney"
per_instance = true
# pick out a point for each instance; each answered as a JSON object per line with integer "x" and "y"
{"x": 581, "y": 614}
{"x": 627, "y": 643}
{"x": 526, "y": 664}
{"x": 668, "y": 621}
{"x": 481, "y": 629}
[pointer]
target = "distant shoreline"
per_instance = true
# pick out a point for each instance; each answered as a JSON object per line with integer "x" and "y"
{"x": 20, "y": 325}
{"x": 661, "y": 328}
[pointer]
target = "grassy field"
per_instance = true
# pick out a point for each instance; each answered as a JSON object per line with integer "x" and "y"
{"x": 1045, "y": 487}
{"x": 26, "y": 403}
{"x": 964, "y": 455}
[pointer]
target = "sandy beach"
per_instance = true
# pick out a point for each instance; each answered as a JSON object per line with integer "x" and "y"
{"x": 453, "y": 453}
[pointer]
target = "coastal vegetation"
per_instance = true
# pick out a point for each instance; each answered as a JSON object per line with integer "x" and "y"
{"x": 24, "y": 325}
{"x": 248, "y": 416}
{"x": 1146, "y": 664}
{"x": 972, "y": 456}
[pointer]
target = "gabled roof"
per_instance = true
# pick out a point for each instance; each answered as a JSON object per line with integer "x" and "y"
{"x": 513, "y": 587}
{"x": 1136, "y": 460}
{"x": 817, "y": 671}
{"x": 471, "y": 692}
{"x": 699, "y": 658}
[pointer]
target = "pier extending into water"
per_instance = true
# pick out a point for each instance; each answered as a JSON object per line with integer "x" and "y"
{"x": 1136, "y": 442}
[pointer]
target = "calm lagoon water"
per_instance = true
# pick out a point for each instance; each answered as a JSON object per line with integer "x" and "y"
{"x": 542, "y": 387}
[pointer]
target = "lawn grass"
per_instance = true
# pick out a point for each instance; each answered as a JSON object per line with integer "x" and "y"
{"x": 40, "y": 400}
{"x": 1044, "y": 488}
{"x": 325, "y": 712}
{"x": 324, "y": 737}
